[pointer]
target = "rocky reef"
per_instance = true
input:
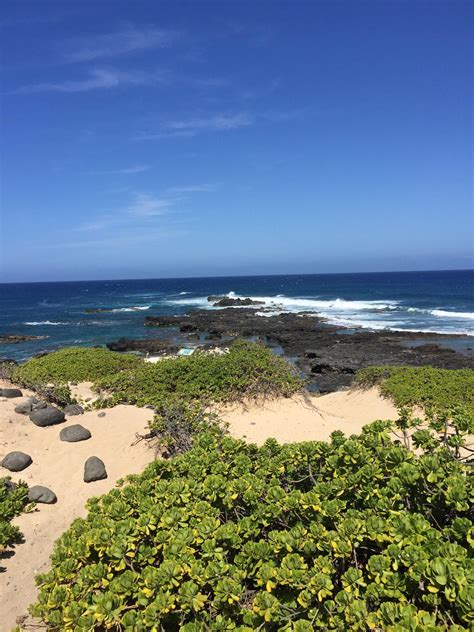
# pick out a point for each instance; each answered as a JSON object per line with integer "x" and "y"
{"x": 329, "y": 356}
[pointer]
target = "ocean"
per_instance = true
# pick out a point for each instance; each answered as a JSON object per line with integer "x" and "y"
{"x": 435, "y": 301}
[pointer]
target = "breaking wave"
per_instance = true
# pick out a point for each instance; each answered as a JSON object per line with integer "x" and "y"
{"x": 45, "y": 322}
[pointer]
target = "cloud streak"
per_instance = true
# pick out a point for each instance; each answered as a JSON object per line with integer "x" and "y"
{"x": 130, "y": 39}
{"x": 120, "y": 172}
{"x": 97, "y": 79}
{"x": 222, "y": 122}
{"x": 191, "y": 127}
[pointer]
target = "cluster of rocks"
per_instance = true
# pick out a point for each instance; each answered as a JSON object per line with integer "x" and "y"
{"x": 227, "y": 301}
{"x": 44, "y": 415}
{"x": 16, "y": 338}
{"x": 328, "y": 356}
{"x": 152, "y": 345}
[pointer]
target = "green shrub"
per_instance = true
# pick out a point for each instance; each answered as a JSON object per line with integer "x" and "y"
{"x": 429, "y": 387}
{"x": 73, "y": 364}
{"x": 248, "y": 370}
{"x": 13, "y": 500}
{"x": 354, "y": 534}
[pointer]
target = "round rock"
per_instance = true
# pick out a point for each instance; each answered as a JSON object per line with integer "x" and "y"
{"x": 16, "y": 461}
{"x": 102, "y": 414}
{"x": 48, "y": 416}
{"x": 10, "y": 393}
{"x": 94, "y": 469}
{"x": 40, "y": 494}
{"x": 31, "y": 403}
{"x": 73, "y": 409}
{"x": 74, "y": 433}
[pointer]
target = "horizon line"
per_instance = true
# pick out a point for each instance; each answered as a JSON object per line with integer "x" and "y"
{"x": 237, "y": 276}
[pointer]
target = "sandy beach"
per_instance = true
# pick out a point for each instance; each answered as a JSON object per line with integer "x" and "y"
{"x": 59, "y": 465}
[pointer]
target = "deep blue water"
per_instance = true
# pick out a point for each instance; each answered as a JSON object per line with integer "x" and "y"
{"x": 417, "y": 301}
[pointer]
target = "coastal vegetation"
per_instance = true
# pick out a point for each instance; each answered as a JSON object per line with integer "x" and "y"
{"x": 425, "y": 386}
{"x": 13, "y": 500}
{"x": 361, "y": 532}
{"x": 357, "y": 533}
{"x": 247, "y": 371}
{"x": 73, "y": 364}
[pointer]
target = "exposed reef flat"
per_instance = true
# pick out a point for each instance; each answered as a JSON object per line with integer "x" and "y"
{"x": 328, "y": 355}
{"x": 8, "y": 339}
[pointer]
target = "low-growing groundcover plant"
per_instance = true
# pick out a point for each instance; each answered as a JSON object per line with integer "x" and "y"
{"x": 426, "y": 386}
{"x": 73, "y": 364}
{"x": 248, "y": 370}
{"x": 13, "y": 500}
{"x": 355, "y": 534}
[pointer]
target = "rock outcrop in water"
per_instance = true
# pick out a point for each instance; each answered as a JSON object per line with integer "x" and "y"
{"x": 227, "y": 301}
{"x": 152, "y": 345}
{"x": 16, "y": 338}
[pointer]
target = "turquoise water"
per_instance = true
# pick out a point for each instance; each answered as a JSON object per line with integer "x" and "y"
{"x": 441, "y": 302}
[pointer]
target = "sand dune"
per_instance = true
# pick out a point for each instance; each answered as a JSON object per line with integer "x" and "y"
{"x": 60, "y": 465}
{"x": 304, "y": 418}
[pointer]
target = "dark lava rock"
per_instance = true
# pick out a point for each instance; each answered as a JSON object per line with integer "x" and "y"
{"x": 102, "y": 414}
{"x": 143, "y": 345}
{"x": 73, "y": 409}
{"x": 40, "y": 494}
{"x": 16, "y": 338}
{"x": 16, "y": 461}
{"x": 94, "y": 470}
{"x": 10, "y": 393}
{"x": 48, "y": 416}
{"x": 230, "y": 302}
{"x": 74, "y": 433}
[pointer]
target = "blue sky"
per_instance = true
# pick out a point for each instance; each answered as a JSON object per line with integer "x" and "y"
{"x": 165, "y": 139}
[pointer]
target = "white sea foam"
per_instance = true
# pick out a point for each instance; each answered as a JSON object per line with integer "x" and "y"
{"x": 444, "y": 314}
{"x": 137, "y": 308}
{"x": 45, "y": 322}
{"x": 390, "y": 315}
{"x": 199, "y": 301}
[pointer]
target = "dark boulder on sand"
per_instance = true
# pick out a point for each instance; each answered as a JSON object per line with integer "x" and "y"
{"x": 40, "y": 494}
{"x": 30, "y": 404}
{"x": 94, "y": 469}
{"x": 10, "y": 393}
{"x": 16, "y": 461}
{"x": 74, "y": 433}
{"x": 48, "y": 416}
{"x": 73, "y": 409}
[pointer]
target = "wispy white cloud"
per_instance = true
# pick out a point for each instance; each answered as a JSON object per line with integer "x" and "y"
{"x": 143, "y": 208}
{"x": 97, "y": 79}
{"x": 130, "y": 39}
{"x": 146, "y": 205}
{"x": 192, "y": 127}
{"x": 120, "y": 172}
{"x": 187, "y": 128}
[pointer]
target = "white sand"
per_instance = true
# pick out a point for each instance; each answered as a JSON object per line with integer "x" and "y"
{"x": 305, "y": 418}
{"x": 60, "y": 465}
